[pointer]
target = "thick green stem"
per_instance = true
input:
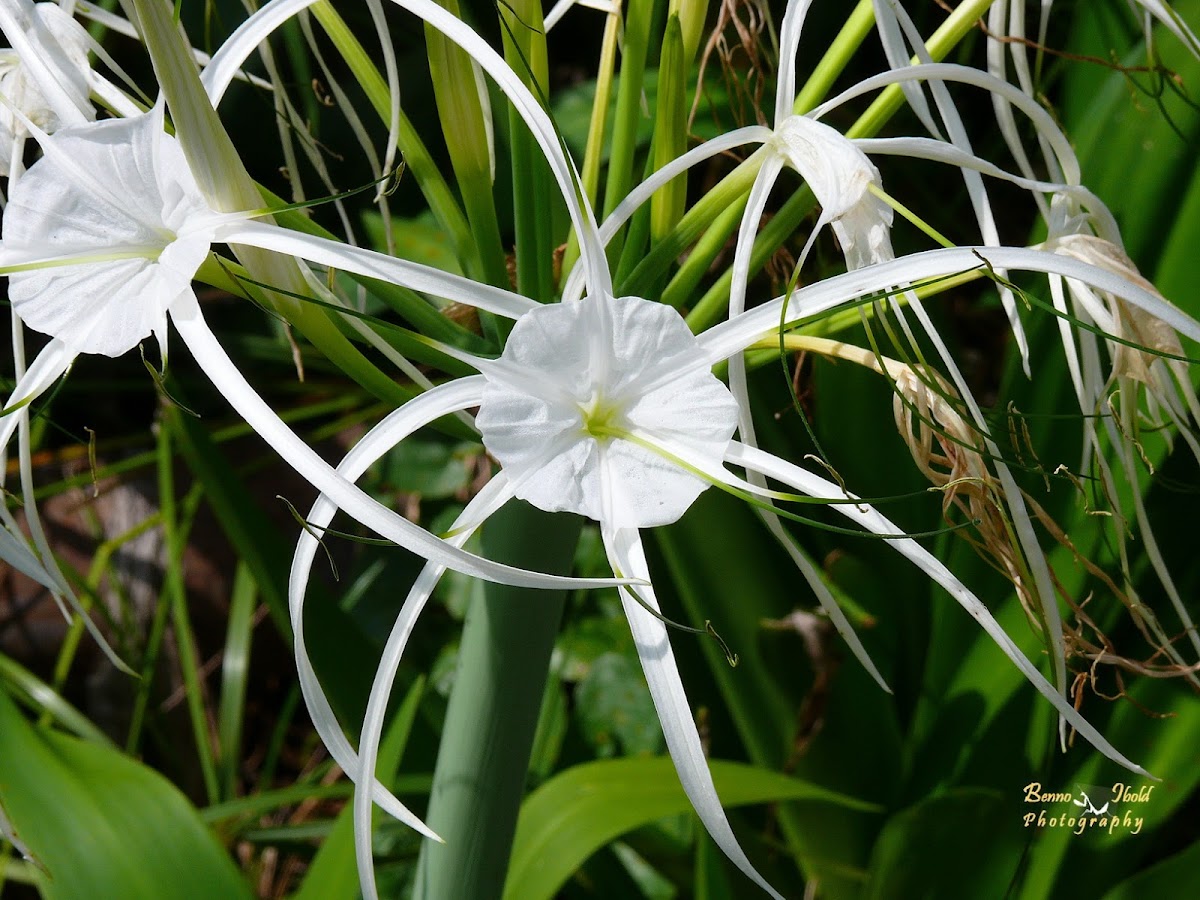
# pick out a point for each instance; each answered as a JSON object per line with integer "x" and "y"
{"x": 534, "y": 194}
{"x": 488, "y": 734}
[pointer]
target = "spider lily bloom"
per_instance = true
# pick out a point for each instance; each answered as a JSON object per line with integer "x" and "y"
{"x": 463, "y": 394}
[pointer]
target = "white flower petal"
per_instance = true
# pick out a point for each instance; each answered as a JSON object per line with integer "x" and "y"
{"x": 625, "y": 551}
{"x": 495, "y": 494}
{"x": 840, "y": 176}
{"x": 789, "y": 45}
{"x": 431, "y": 405}
{"x": 723, "y": 340}
{"x": 54, "y": 360}
{"x": 334, "y": 254}
{"x": 1047, "y": 129}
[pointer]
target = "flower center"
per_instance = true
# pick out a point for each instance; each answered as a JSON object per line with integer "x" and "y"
{"x": 601, "y": 418}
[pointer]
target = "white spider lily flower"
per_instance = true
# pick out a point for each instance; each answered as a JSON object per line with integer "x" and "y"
{"x": 590, "y": 409}
{"x": 100, "y": 241}
{"x": 616, "y": 400}
{"x": 661, "y": 674}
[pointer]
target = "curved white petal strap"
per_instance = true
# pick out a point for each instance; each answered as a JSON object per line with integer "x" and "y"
{"x": 231, "y": 57}
{"x": 751, "y": 134}
{"x": 1067, "y": 333}
{"x": 495, "y": 494}
{"x": 624, "y": 547}
{"x": 1174, "y": 22}
{"x": 755, "y": 205}
{"x": 727, "y": 338}
{"x": 387, "y": 48}
{"x": 1042, "y": 121}
{"x": 940, "y": 151}
{"x": 1043, "y": 581}
{"x": 256, "y": 28}
{"x": 53, "y": 361}
{"x": 115, "y": 23}
{"x": 756, "y": 485}
{"x": 870, "y": 519}
{"x": 370, "y": 264}
{"x": 976, "y": 190}
{"x": 352, "y": 499}
{"x": 996, "y": 54}
{"x": 789, "y": 45}
{"x": 424, "y": 409}
{"x": 49, "y": 366}
{"x": 887, "y": 26}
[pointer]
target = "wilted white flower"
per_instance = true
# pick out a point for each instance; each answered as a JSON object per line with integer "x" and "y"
{"x": 44, "y": 74}
{"x": 1145, "y": 386}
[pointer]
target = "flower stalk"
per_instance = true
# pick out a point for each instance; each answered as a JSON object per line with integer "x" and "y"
{"x": 489, "y": 728}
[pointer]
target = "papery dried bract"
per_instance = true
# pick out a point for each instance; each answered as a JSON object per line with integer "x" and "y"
{"x": 61, "y": 46}
{"x": 1131, "y": 324}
